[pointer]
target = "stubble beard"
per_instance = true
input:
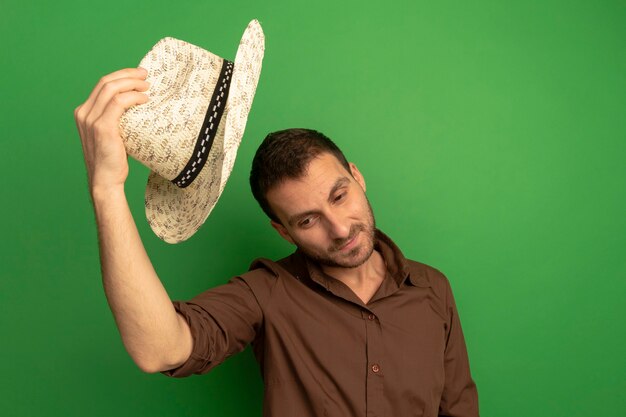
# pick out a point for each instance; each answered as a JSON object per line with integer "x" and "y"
{"x": 328, "y": 258}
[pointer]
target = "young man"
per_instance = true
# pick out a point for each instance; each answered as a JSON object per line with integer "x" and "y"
{"x": 344, "y": 326}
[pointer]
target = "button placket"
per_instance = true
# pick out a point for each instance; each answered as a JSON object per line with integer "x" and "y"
{"x": 375, "y": 403}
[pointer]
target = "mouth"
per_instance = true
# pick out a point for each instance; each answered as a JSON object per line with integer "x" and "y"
{"x": 349, "y": 244}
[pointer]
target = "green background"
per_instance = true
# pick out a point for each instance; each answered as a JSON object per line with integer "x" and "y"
{"x": 491, "y": 135}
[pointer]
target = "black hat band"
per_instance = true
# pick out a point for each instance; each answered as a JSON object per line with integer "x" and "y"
{"x": 209, "y": 128}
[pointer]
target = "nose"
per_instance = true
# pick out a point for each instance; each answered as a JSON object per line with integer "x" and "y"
{"x": 338, "y": 227}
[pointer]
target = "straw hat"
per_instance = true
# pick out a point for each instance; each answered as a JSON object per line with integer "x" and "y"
{"x": 189, "y": 132}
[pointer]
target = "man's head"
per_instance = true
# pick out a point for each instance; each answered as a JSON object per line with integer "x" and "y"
{"x": 314, "y": 198}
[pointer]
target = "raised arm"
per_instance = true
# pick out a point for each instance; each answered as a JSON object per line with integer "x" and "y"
{"x": 154, "y": 334}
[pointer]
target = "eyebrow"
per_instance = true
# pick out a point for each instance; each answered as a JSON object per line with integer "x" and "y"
{"x": 341, "y": 182}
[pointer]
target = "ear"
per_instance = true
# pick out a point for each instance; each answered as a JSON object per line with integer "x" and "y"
{"x": 357, "y": 175}
{"x": 282, "y": 231}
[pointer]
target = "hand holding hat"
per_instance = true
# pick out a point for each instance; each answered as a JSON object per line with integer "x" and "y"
{"x": 97, "y": 121}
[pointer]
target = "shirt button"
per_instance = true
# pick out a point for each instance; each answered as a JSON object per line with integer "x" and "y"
{"x": 375, "y": 368}
{"x": 371, "y": 317}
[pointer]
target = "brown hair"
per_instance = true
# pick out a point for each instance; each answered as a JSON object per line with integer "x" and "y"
{"x": 285, "y": 154}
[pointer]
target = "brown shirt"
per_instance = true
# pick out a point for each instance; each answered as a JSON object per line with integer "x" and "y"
{"x": 323, "y": 352}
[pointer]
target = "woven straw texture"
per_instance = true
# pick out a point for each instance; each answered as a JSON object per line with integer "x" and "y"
{"x": 162, "y": 133}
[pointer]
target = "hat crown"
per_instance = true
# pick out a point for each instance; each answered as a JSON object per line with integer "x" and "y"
{"x": 162, "y": 133}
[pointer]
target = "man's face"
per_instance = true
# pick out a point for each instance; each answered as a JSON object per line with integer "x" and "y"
{"x": 326, "y": 213}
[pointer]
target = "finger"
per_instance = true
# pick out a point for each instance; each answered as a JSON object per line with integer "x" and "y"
{"x": 110, "y": 90}
{"x": 139, "y": 73}
{"x": 113, "y": 111}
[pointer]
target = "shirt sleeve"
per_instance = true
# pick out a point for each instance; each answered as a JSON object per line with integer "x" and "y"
{"x": 223, "y": 321}
{"x": 460, "y": 395}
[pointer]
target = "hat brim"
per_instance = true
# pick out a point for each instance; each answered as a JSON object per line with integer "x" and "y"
{"x": 175, "y": 213}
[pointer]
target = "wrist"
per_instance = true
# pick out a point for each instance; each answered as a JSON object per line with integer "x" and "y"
{"x": 105, "y": 193}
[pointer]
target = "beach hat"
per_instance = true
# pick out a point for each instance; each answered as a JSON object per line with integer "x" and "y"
{"x": 189, "y": 131}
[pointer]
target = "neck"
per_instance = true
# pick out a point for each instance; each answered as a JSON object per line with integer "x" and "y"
{"x": 373, "y": 269}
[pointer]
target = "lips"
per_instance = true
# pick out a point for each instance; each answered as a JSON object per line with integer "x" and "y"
{"x": 350, "y": 243}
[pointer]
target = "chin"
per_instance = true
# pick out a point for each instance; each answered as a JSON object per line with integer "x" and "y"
{"x": 357, "y": 257}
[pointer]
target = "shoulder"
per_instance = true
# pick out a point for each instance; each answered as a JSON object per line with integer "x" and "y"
{"x": 429, "y": 276}
{"x": 268, "y": 269}
{"x": 263, "y": 274}
{"x": 437, "y": 283}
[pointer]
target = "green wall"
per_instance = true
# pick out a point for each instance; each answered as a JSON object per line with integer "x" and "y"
{"x": 491, "y": 135}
